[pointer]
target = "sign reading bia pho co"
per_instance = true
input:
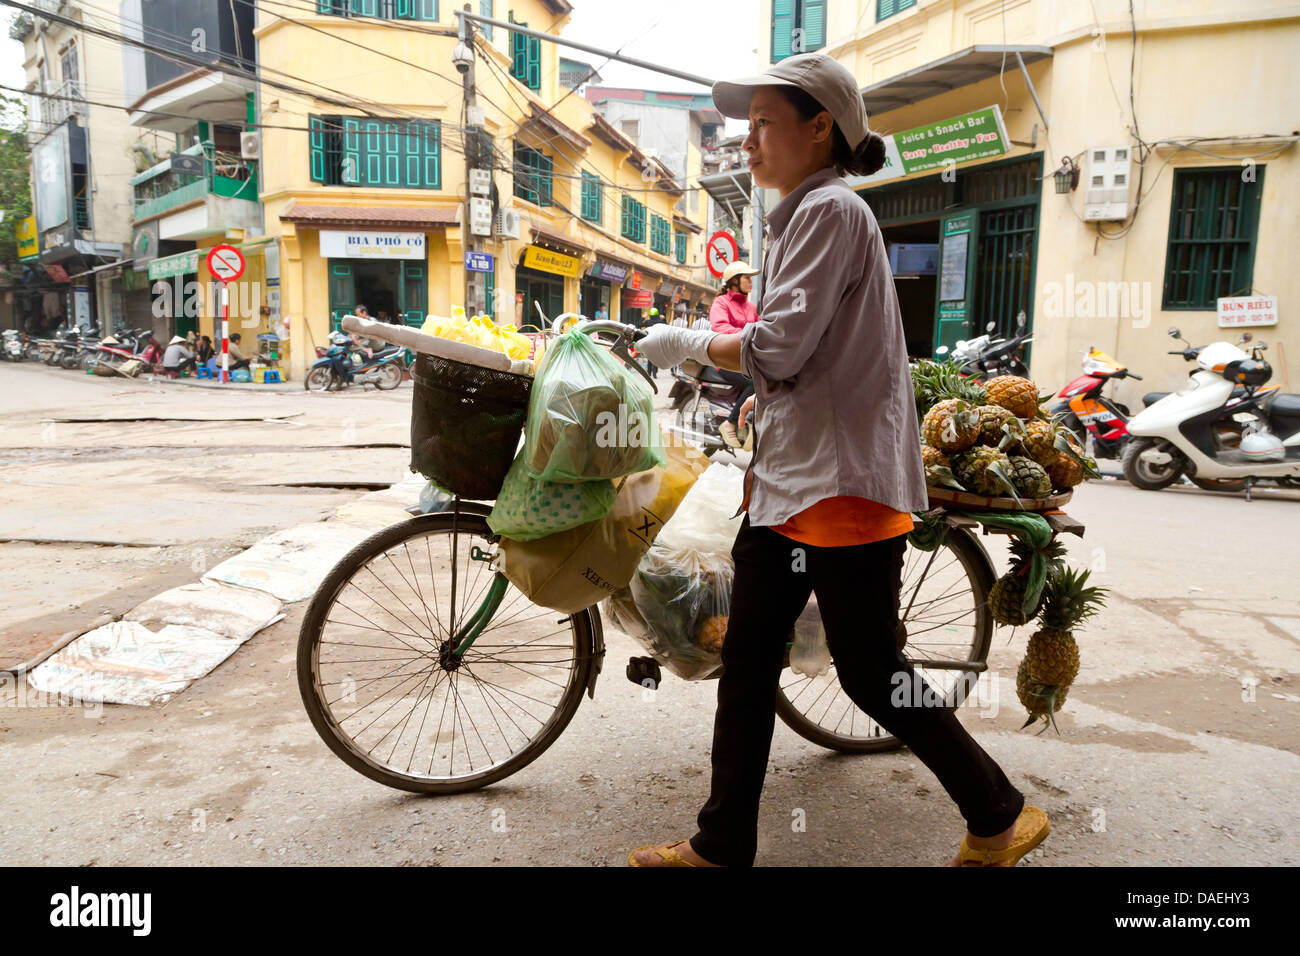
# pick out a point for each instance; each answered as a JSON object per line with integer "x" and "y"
{"x": 347, "y": 244}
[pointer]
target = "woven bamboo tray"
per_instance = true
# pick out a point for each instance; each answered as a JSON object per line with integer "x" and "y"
{"x": 965, "y": 499}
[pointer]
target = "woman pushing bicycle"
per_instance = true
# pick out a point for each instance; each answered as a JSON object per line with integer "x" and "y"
{"x": 835, "y": 475}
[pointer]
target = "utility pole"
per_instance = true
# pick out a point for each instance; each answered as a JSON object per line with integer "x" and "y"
{"x": 464, "y": 58}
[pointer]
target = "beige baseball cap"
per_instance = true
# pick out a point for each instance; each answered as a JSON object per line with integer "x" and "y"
{"x": 820, "y": 76}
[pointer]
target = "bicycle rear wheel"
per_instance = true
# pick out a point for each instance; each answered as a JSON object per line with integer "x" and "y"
{"x": 943, "y": 607}
{"x": 382, "y": 688}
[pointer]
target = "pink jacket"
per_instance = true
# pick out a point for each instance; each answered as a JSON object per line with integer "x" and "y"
{"x": 731, "y": 312}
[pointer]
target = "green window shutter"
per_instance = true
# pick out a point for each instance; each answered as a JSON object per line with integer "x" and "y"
{"x": 485, "y": 10}
{"x": 431, "y": 143}
{"x": 591, "y": 191}
{"x": 813, "y": 23}
{"x": 887, "y": 8}
{"x": 679, "y": 239}
{"x": 518, "y": 54}
{"x": 350, "y": 165}
{"x": 640, "y": 222}
{"x": 783, "y": 24}
{"x": 316, "y": 147}
{"x": 1213, "y": 227}
{"x": 489, "y": 292}
{"x": 428, "y": 9}
{"x": 534, "y": 78}
{"x": 545, "y": 169}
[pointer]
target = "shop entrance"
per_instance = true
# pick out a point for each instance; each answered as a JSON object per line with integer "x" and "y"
{"x": 394, "y": 289}
{"x": 538, "y": 289}
{"x": 974, "y": 242}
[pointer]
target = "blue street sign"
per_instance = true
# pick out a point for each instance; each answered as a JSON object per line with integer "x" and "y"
{"x": 479, "y": 262}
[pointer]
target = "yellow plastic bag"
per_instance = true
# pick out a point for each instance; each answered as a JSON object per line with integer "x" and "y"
{"x": 575, "y": 569}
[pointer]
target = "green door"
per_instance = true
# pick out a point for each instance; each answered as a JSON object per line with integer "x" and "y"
{"x": 412, "y": 293}
{"x": 1004, "y": 284}
{"x": 343, "y": 291}
{"x": 953, "y": 306}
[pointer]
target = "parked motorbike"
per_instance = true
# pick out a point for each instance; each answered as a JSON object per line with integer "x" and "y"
{"x": 128, "y": 344}
{"x": 1210, "y": 432}
{"x": 342, "y": 364}
{"x": 1084, "y": 408}
{"x": 987, "y": 357}
{"x": 15, "y": 345}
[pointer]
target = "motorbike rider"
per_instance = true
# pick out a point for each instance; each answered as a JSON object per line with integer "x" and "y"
{"x": 730, "y": 313}
{"x": 360, "y": 344}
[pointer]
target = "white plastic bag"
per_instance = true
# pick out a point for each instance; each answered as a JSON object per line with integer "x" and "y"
{"x": 703, "y": 522}
{"x": 810, "y": 655}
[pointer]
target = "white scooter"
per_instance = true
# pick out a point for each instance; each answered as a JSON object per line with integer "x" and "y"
{"x": 1222, "y": 425}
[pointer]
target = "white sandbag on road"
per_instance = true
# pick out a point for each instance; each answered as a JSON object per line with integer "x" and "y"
{"x": 291, "y": 564}
{"x": 126, "y": 663}
{"x": 228, "y": 611}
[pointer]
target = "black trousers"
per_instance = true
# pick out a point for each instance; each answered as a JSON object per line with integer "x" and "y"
{"x": 857, "y": 590}
{"x": 747, "y": 390}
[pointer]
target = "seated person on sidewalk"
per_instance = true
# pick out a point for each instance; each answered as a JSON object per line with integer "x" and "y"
{"x": 237, "y": 358}
{"x": 177, "y": 358}
{"x": 205, "y": 350}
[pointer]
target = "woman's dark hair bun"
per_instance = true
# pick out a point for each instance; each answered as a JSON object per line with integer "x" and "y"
{"x": 870, "y": 154}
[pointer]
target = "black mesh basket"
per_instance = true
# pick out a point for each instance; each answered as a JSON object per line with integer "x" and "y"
{"x": 465, "y": 424}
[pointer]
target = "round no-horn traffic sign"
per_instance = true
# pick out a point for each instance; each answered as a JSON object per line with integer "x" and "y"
{"x": 722, "y": 251}
{"x": 226, "y": 263}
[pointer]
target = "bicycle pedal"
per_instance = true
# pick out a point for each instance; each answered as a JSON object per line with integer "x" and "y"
{"x": 642, "y": 669}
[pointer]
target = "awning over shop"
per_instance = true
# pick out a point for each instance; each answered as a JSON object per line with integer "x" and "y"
{"x": 948, "y": 73}
{"x": 730, "y": 189}
{"x": 183, "y": 263}
{"x": 558, "y": 241}
{"x": 370, "y": 217}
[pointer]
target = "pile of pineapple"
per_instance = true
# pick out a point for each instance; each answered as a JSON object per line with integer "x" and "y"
{"x": 993, "y": 438}
{"x": 1051, "y": 660}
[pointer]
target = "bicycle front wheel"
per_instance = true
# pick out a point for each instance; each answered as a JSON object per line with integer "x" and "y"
{"x": 386, "y": 694}
{"x": 943, "y": 609}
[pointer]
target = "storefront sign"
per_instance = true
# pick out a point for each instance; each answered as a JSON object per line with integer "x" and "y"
{"x": 50, "y": 174}
{"x": 1247, "y": 310}
{"x": 634, "y": 280}
{"x": 959, "y": 139}
{"x": 81, "y": 305}
{"x": 25, "y": 235}
{"x": 479, "y": 262}
{"x": 952, "y": 264}
{"x": 57, "y": 272}
{"x": 608, "y": 271}
{"x": 180, "y": 264}
{"x": 667, "y": 288}
{"x": 346, "y": 244}
{"x": 638, "y": 300}
{"x": 144, "y": 244}
{"x": 544, "y": 260}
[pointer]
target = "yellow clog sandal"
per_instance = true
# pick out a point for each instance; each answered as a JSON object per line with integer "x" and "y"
{"x": 1031, "y": 829}
{"x": 670, "y": 856}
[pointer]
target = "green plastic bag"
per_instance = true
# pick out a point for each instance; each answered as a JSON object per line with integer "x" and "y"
{"x": 527, "y": 509}
{"x": 590, "y": 417}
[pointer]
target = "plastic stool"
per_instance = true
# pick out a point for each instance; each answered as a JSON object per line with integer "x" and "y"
{"x": 203, "y": 372}
{"x": 270, "y": 375}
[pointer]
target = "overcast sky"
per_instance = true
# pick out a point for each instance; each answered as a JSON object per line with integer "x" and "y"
{"x": 715, "y": 40}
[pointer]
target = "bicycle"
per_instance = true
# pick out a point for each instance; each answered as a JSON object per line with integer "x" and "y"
{"x": 422, "y": 667}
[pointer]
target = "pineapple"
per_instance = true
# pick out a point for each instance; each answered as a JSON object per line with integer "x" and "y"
{"x": 984, "y": 470}
{"x": 933, "y": 456}
{"x": 1070, "y": 466}
{"x": 935, "y": 381}
{"x": 950, "y": 426}
{"x": 993, "y": 418}
{"x": 1038, "y": 442}
{"x": 1029, "y": 477}
{"x": 1051, "y": 660}
{"x": 1009, "y": 592}
{"x": 1018, "y": 395}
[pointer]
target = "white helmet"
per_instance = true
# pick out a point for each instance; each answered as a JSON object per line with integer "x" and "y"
{"x": 1262, "y": 446}
{"x": 339, "y": 337}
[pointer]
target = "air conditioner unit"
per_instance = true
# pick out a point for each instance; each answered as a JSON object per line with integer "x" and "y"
{"x": 250, "y": 145}
{"x": 1106, "y": 196}
{"x": 507, "y": 224}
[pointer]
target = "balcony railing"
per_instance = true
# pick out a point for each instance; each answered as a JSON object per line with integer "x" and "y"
{"x": 161, "y": 188}
{"x": 46, "y": 112}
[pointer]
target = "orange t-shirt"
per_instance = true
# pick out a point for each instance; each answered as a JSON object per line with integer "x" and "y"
{"x": 845, "y": 520}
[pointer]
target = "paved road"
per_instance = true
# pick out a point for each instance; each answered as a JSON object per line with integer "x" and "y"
{"x": 1162, "y": 759}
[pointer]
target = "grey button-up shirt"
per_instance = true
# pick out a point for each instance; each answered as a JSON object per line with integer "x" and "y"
{"x": 834, "y": 412}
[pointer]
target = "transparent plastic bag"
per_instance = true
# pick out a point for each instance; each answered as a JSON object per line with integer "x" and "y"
{"x": 704, "y": 521}
{"x": 676, "y": 607}
{"x": 810, "y": 655}
{"x": 527, "y": 509}
{"x": 589, "y": 416}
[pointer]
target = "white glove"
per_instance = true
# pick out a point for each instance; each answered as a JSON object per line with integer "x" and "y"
{"x": 669, "y": 345}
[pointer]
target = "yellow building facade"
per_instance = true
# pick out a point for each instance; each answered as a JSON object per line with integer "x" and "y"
{"x": 364, "y": 178}
{"x": 1206, "y": 140}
